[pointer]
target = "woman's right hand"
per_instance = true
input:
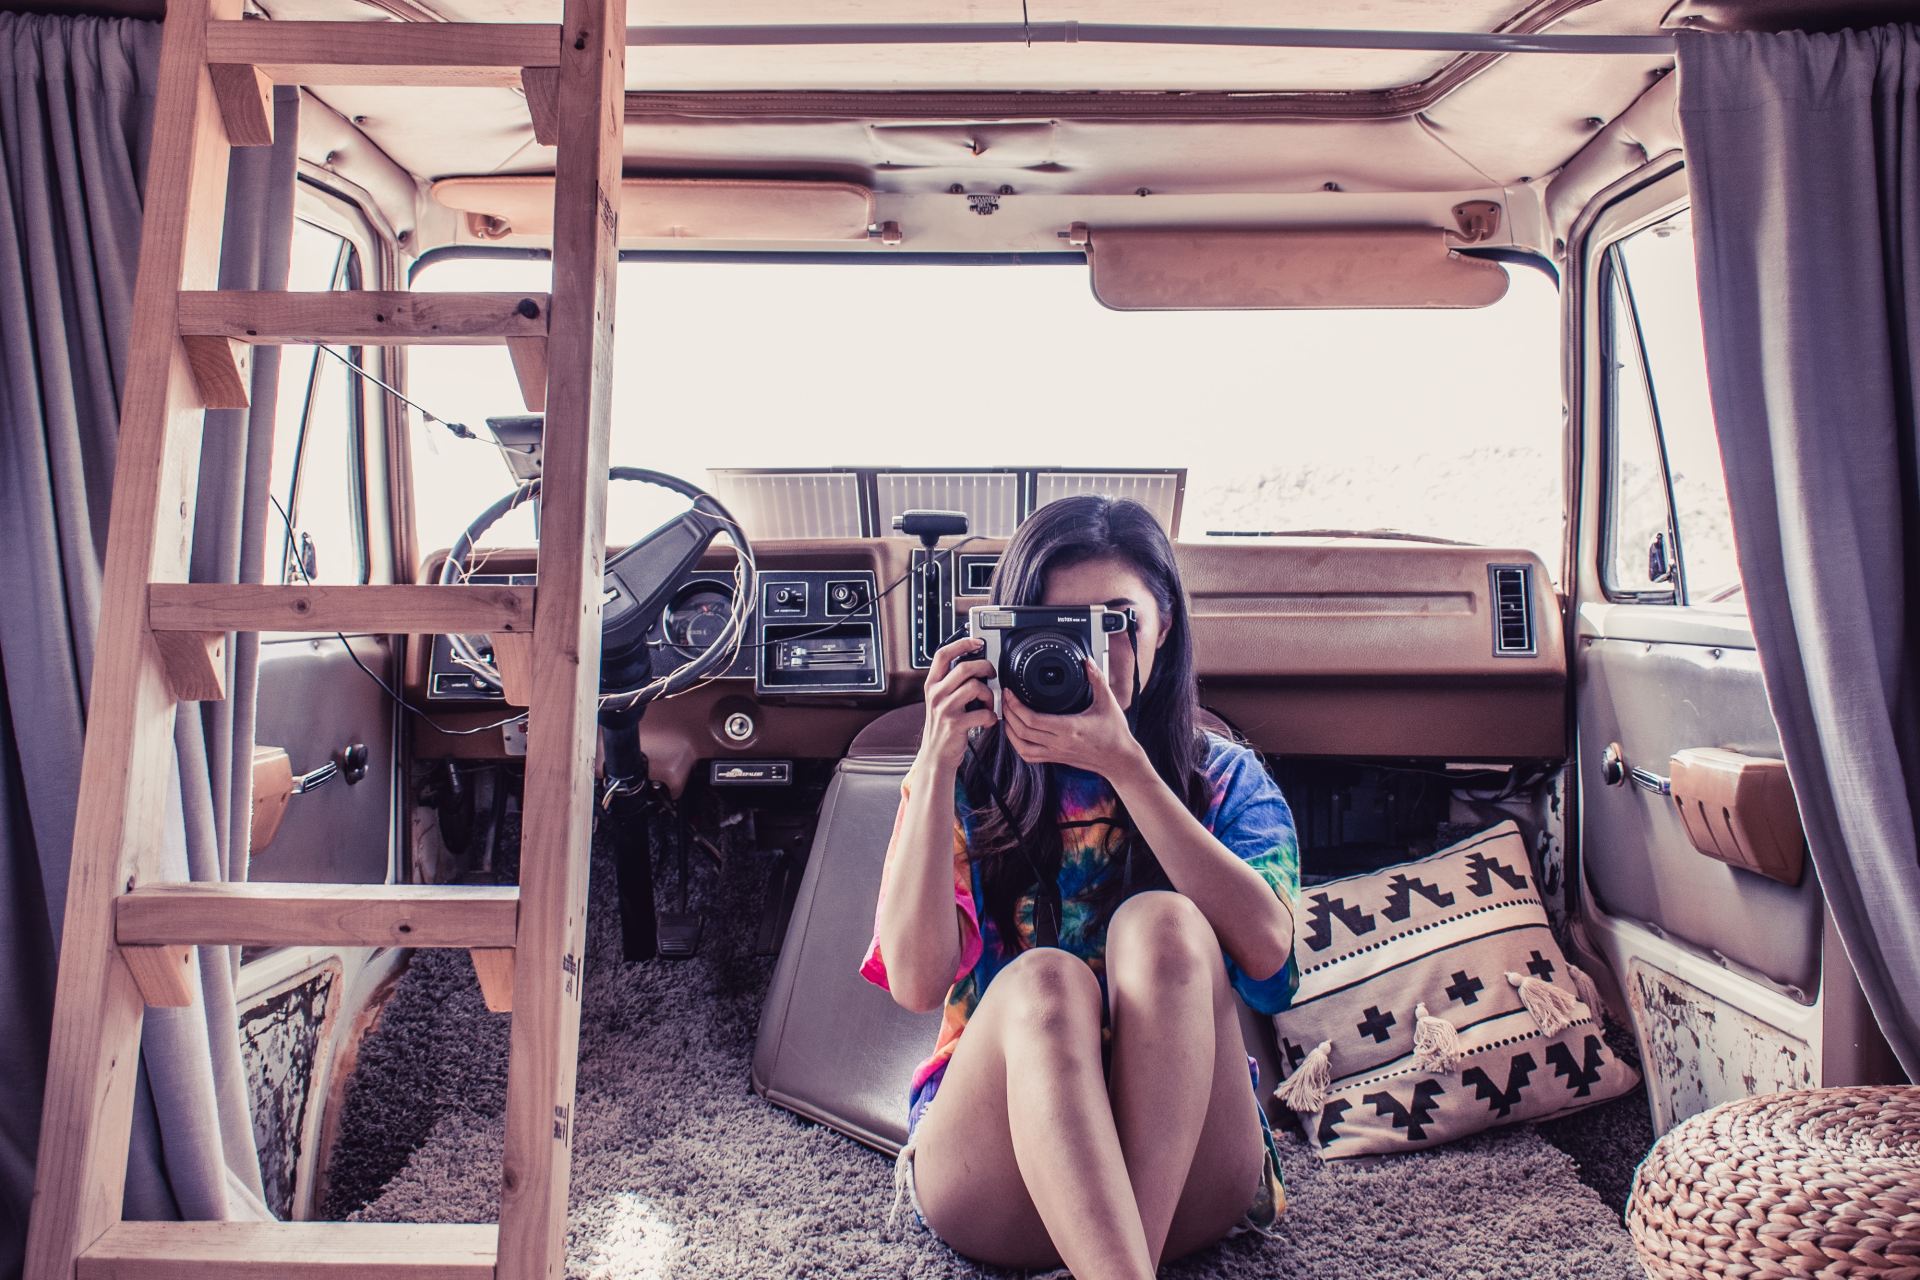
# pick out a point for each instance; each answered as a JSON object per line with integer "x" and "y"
{"x": 956, "y": 680}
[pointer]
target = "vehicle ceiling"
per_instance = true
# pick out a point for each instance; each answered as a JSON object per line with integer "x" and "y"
{"x": 1216, "y": 135}
{"x": 1315, "y": 135}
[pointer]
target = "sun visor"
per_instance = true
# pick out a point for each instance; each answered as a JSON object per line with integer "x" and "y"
{"x": 1170, "y": 269}
{"x": 672, "y": 208}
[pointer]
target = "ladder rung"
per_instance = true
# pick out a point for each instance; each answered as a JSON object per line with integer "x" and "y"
{"x": 381, "y": 53}
{"x": 219, "y": 913}
{"x": 290, "y": 1251}
{"x": 395, "y": 610}
{"x": 217, "y": 326}
{"x": 363, "y": 317}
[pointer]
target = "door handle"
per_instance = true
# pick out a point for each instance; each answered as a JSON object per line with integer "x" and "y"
{"x": 349, "y": 763}
{"x": 1615, "y": 770}
{"x": 317, "y": 779}
{"x": 275, "y": 784}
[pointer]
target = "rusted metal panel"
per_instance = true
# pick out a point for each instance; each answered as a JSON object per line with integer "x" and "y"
{"x": 283, "y": 1040}
{"x": 1700, "y": 1051}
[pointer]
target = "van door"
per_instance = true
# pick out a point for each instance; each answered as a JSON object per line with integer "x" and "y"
{"x": 1695, "y": 892}
{"x": 327, "y": 520}
{"x": 326, "y": 523}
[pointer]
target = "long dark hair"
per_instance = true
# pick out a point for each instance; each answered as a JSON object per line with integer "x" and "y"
{"x": 1016, "y": 834}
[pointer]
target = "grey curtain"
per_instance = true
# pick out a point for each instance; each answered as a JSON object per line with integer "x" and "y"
{"x": 76, "y": 99}
{"x": 1803, "y": 152}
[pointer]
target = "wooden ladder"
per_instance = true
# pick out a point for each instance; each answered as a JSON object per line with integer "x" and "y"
{"x": 128, "y": 938}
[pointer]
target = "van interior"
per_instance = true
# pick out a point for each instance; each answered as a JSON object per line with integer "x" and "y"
{"x": 1394, "y": 328}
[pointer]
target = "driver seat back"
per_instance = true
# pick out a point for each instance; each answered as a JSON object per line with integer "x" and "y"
{"x": 833, "y": 1047}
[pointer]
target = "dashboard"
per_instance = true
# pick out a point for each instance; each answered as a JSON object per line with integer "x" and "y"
{"x": 1323, "y": 647}
{"x": 814, "y": 631}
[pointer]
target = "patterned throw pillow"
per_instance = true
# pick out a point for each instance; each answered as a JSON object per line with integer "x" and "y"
{"x": 1434, "y": 1003}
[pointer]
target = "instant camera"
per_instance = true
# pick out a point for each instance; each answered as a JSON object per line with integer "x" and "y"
{"x": 1040, "y": 651}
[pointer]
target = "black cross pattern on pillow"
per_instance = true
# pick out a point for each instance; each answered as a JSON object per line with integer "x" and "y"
{"x": 1414, "y": 1117}
{"x": 1293, "y": 1053}
{"x": 1465, "y": 989}
{"x": 1376, "y": 1024}
{"x": 1540, "y": 967}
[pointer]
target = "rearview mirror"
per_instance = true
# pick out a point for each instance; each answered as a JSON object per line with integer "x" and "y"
{"x": 1661, "y": 564}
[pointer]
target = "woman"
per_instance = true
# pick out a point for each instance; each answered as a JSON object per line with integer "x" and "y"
{"x": 1068, "y": 887}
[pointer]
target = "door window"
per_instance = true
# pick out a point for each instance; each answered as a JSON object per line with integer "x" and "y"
{"x": 316, "y": 521}
{"x": 1670, "y": 531}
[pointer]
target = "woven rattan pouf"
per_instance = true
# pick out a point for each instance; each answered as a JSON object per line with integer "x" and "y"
{"x": 1814, "y": 1182}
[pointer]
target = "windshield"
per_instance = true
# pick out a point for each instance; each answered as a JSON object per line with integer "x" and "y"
{"x": 1440, "y": 423}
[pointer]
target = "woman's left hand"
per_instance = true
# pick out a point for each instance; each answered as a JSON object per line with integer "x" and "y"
{"x": 1097, "y": 739}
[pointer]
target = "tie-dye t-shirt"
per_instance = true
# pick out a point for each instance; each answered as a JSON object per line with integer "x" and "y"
{"x": 1246, "y": 813}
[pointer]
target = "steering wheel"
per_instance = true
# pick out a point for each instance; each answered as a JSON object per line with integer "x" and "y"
{"x": 638, "y": 581}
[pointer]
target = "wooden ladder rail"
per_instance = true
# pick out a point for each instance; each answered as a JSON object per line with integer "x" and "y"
{"x": 158, "y": 642}
{"x": 556, "y": 826}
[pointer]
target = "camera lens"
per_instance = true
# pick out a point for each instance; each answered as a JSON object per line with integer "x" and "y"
{"x": 1047, "y": 671}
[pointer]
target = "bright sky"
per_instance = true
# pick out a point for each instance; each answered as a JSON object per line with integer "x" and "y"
{"x": 1435, "y": 422}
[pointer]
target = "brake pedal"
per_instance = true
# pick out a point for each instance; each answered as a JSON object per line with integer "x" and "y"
{"x": 679, "y": 935}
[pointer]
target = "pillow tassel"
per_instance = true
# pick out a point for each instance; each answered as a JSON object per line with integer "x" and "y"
{"x": 1551, "y": 1007}
{"x": 1305, "y": 1091}
{"x": 1436, "y": 1045}
{"x": 1589, "y": 993}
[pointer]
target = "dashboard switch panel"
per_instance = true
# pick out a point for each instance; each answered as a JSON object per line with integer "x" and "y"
{"x": 826, "y": 639}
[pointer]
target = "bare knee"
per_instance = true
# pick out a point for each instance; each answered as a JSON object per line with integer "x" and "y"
{"x": 1162, "y": 939}
{"x": 1050, "y": 995}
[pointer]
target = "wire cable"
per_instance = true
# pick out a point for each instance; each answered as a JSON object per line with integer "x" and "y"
{"x": 460, "y": 429}
{"x": 299, "y": 564}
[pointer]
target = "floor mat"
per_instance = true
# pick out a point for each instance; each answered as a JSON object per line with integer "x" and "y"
{"x": 681, "y": 1171}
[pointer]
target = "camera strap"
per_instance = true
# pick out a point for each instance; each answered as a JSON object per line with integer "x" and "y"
{"x": 1133, "y": 643}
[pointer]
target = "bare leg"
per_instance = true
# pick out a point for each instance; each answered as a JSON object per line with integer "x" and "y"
{"x": 1018, "y": 1163}
{"x": 1183, "y": 1101}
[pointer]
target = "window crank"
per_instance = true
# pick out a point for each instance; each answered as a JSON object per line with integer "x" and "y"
{"x": 1614, "y": 770}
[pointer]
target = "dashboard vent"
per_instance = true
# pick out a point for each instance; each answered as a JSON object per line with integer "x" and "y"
{"x": 1513, "y": 635}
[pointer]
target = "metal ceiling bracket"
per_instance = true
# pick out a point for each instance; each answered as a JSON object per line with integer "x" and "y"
{"x": 746, "y": 35}
{"x": 485, "y": 226}
{"x": 1478, "y": 220}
